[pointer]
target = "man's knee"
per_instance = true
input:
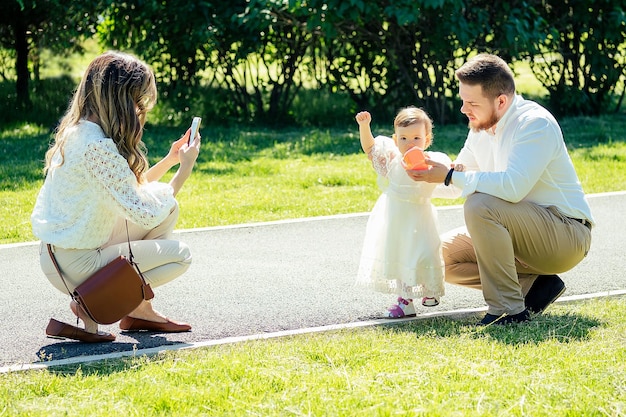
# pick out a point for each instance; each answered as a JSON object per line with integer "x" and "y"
{"x": 481, "y": 206}
{"x": 475, "y": 206}
{"x": 478, "y": 201}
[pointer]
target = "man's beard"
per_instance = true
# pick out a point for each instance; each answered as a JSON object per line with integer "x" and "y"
{"x": 493, "y": 120}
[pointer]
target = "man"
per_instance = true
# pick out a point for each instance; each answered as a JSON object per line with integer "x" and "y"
{"x": 525, "y": 211}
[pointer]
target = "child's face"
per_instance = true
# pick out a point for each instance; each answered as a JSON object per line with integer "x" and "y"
{"x": 409, "y": 136}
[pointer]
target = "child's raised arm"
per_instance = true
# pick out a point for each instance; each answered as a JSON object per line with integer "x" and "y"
{"x": 365, "y": 133}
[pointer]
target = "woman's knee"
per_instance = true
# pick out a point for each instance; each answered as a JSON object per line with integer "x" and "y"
{"x": 185, "y": 254}
{"x": 166, "y": 228}
{"x": 172, "y": 218}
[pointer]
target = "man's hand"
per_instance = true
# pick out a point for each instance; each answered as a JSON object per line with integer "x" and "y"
{"x": 436, "y": 174}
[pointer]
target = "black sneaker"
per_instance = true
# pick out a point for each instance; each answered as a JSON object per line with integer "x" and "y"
{"x": 544, "y": 291}
{"x": 488, "y": 319}
{"x": 522, "y": 317}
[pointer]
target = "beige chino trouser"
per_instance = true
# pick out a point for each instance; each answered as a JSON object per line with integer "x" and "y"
{"x": 159, "y": 257}
{"x": 504, "y": 246}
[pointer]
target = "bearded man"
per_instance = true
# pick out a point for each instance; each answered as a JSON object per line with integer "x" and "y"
{"x": 526, "y": 215}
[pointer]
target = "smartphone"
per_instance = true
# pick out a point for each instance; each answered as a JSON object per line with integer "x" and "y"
{"x": 195, "y": 126}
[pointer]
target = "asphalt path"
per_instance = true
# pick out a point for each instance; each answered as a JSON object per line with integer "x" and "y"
{"x": 263, "y": 278}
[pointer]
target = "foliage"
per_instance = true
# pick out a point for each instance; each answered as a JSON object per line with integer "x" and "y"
{"x": 387, "y": 54}
{"x": 255, "y": 50}
{"x": 171, "y": 36}
{"x": 348, "y": 57}
{"x": 581, "y": 58}
{"x": 384, "y": 54}
{"x": 7, "y": 64}
{"x": 29, "y": 26}
{"x": 422, "y": 57}
{"x": 256, "y": 56}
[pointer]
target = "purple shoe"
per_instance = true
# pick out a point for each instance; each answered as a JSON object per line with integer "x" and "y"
{"x": 430, "y": 301}
{"x": 404, "y": 308}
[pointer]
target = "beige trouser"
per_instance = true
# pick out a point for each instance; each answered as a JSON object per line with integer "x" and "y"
{"x": 510, "y": 244}
{"x": 159, "y": 257}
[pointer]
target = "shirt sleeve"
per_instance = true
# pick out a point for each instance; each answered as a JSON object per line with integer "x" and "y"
{"x": 144, "y": 204}
{"x": 530, "y": 153}
{"x": 467, "y": 158}
{"x": 382, "y": 153}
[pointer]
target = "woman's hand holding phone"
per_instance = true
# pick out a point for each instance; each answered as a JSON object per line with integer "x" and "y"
{"x": 195, "y": 127}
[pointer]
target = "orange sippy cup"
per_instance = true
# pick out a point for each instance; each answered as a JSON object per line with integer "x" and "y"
{"x": 414, "y": 159}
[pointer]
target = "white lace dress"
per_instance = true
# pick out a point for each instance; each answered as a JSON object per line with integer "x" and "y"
{"x": 402, "y": 251}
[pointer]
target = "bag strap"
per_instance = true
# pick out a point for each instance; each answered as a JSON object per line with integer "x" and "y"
{"x": 130, "y": 251}
{"x": 148, "y": 294}
{"x": 146, "y": 289}
{"x": 56, "y": 265}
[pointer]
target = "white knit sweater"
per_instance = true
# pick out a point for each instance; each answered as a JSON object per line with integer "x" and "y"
{"x": 81, "y": 200}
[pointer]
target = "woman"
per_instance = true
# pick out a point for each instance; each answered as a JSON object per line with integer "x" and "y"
{"x": 99, "y": 185}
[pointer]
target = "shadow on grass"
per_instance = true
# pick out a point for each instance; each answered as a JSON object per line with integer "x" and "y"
{"x": 564, "y": 328}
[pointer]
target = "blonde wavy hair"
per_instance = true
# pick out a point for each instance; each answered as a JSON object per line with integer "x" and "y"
{"x": 116, "y": 92}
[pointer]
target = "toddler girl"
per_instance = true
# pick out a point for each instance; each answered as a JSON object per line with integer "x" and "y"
{"x": 402, "y": 251}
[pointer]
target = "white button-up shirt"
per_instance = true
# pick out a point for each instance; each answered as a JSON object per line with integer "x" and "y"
{"x": 526, "y": 159}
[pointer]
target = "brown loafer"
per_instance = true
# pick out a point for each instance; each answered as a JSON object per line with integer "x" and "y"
{"x": 132, "y": 324}
{"x": 60, "y": 330}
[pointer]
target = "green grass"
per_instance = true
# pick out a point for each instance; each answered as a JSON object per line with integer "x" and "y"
{"x": 569, "y": 362}
{"x": 251, "y": 175}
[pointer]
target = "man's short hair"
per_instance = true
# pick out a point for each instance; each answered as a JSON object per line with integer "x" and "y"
{"x": 490, "y": 72}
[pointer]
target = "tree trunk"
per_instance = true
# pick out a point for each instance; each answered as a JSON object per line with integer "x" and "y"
{"x": 21, "y": 65}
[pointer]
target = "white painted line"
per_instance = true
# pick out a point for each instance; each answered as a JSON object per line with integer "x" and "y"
{"x": 274, "y": 335}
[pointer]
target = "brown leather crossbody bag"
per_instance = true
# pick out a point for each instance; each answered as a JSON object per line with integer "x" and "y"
{"x": 112, "y": 292}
